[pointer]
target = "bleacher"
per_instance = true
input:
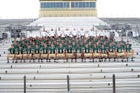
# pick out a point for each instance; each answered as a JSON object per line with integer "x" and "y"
{"x": 83, "y": 77}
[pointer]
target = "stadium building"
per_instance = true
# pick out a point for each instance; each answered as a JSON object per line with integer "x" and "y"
{"x": 66, "y": 8}
{"x": 76, "y": 16}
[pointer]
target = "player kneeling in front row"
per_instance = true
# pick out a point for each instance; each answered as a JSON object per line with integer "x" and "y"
{"x": 37, "y": 53}
{"x": 11, "y": 54}
{"x": 83, "y": 55}
{"x": 19, "y": 54}
{"x": 26, "y": 53}
{"x": 92, "y": 55}
{"x": 51, "y": 53}
{"x": 74, "y": 55}
{"x": 41, "y": 53}
{"x": 56, "y": 55}
{"x": 65, "y": 55}
{"x": 87, "y": 51}
{"x": 112, "y": 52}
{"x": 129, "y": 51}
{"x": 120, "y": 52}
{"x": 104, "y": 53}
{"x": 60, "y": 51}
{"x": 69, "y": 51}
{"x": 45, "y": 54}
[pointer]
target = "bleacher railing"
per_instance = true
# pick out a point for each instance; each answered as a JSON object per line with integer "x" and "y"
{"x": 68, "y": 84}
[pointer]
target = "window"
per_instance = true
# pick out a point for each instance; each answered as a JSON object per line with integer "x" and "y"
{"x": 83, "y": 4}
{"x": 42, "y": 5}
{"x": 86, "y": 5}
{"x": 55, "y": 5}
{"x": 92, "y": 4}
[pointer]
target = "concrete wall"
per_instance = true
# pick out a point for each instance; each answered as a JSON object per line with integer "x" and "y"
{"x": 65, "y": 12}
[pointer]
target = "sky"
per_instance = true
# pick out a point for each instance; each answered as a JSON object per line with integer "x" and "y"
{"x": 15, "y": 9}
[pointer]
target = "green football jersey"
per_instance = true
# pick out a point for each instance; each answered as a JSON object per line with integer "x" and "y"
{"x": 69, "y": 49}
{"x": 25, "y": 50}
{"x": 32, "y": 49}
{"x": 36, "y": 50}
{"x": 119, "y": 49}
{"x": 11, "y": 50}
{"x": 28, "y": 50}
{"x": 103, "y": 49}
{"x": 128, "y": 48}
{"x": 60, "y": 49}
{"x": 45, "y": 49}
{"x": 87, "y": 49}
{"x": 77, "y": 49}
{"x": 20, "y": 51}
{"x": 111, "y": 48}
{"x": 95, "y": 49}
{"x": 52, "y": 50}
{"x": 41, "y": 49}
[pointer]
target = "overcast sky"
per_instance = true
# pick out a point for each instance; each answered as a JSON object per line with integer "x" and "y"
{"x": 106, "y": 8}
